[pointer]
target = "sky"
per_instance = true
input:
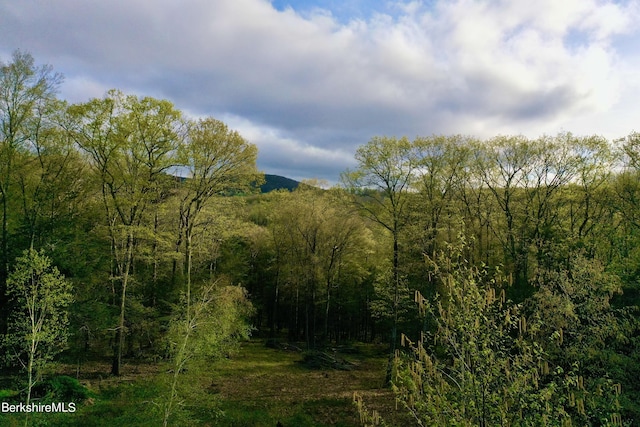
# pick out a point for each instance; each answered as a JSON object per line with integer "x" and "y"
{"x": 309, "y": 81}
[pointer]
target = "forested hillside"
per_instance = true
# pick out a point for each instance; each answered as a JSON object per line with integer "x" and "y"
{"x": 502, "y": 274}
{"x": 275, "y": 182}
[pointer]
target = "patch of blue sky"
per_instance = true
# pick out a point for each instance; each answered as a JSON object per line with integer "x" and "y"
{"x": 576, "y": 39}
{"x": 342, "y": 10}
{"x": 626, "y": 44}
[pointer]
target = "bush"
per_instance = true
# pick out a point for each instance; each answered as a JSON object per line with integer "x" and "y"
{"x": 62, "y": 389}
{"x": 7, "y": 394}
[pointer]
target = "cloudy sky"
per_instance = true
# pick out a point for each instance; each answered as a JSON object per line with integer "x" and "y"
{"x": 308, "y": 81}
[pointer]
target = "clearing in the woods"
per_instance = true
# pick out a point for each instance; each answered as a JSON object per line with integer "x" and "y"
{"x": 257, "y": 386}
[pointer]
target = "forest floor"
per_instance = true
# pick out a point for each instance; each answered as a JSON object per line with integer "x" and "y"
{"x": 258, "y": 386}
{"x": 274, "y": 383}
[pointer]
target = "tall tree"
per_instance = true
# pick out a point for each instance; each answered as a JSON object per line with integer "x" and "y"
{"x": 627, "y": 188}
{"x": 318, "y": 248}
{"x": 594, "y": 169}
{"x": 25, "y": 93}
{"x": 50, "y": 178}
{"x": 217, "y": 160}
{"x": 131, "y": 143}
{"x": 506, "y": 166}
{"x": 440, "y": 165}
{"x": 382, "y": 180}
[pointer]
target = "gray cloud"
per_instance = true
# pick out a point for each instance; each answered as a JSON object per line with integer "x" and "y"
{"x": 308, "y": 88}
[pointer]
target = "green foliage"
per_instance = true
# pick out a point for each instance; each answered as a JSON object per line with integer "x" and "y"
{"x": 576, "y": 301}
{"x": 27, "y": 104}
{"x": 368, "y": 418}
{"x": 61, "y": 388}
{"x": 276, "y": 182}
{"x": 217, "y": 322}
{"x": 6, "y": 394}
{"x": 320, "y": 250}
{"x": 131, "y": 143}
{"x": 382, "y": 301}
{"x": 486, "y": 363}
{"x": 39, "y": 321}
{"x": 209, "y": 328}
{"x": 574, "y": 306}
{"x": 92, "y": 184}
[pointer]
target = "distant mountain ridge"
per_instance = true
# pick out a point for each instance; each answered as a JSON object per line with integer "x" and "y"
{"x": 277, "y": 182}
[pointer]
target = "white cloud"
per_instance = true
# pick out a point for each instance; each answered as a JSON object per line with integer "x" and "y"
{"x": 81, "y": 88}
{"x": 289, "y": 156}
{"x": 309, "y": 85}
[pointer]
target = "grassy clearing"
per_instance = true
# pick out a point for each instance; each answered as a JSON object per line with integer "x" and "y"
{"x": 259, "y": 386}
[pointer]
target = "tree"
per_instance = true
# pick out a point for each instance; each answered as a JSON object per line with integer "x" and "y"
{"x": 213, "y": 327}
{"x": 627, "y": 188}
{"x": 440, "y": 162}
{"x": 131, "y": 143}
{"x": 588, "y": 210}
{"x": 485, "y": 362}
{"x": 50, "y": 178}
{"x": 26, "y": 91}
{"x": 382, "y": 180}
{"x": 318, "y": 248}
{"x": 525, "y": 177}
{"x": 505, "y": 166}
{"x": 217, "y": 160}
{"x": 39, "y": 320}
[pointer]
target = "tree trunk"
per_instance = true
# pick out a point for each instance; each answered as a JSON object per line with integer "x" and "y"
{"x": 4, "y": 263}
{"x": 119, "y": 342}
{"x": 188, "y": 250}
{"x": 274, "y": 311}
{"x": 326, "y": 311}
{"x": 396, "y": 294}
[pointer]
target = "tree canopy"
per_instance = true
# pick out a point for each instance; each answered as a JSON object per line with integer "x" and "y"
{"x": 501, "y": 273}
